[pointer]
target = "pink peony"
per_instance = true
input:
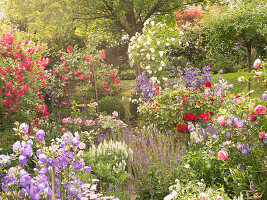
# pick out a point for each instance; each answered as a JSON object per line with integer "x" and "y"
{"x": 260, "y": 110}
{"x": 257, "y": 64}
{"x": 261, "y": 135}
{"x": 221, "y": 120}
{"x": 223, "y": 155}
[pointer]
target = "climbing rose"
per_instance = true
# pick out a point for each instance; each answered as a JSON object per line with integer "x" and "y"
{"x": 262, "y": 135}
{"x": 221, "y": 120}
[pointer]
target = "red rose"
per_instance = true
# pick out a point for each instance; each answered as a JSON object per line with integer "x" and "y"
{"x": 182, "y": 128}
{"x": 205, "y": 117}
{"x": 116, "y": 81}
{"x": 188, "y": 117}
{"x": 208, "y": 84}
{"x": 112, "y": 75}
{"x": 260, "y": 110}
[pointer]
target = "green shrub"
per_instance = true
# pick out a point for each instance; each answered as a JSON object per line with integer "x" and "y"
{"x": 111, "y": 104}
{"x": 127, "y": 74}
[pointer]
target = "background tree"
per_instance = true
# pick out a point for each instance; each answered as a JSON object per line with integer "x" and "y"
{"x": 242, "y": 23}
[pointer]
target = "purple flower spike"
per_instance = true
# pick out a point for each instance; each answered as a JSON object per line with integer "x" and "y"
{"x": 264, "y": 96}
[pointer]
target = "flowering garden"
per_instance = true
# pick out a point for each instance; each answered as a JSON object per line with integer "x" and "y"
{"x": 169, "y": 127}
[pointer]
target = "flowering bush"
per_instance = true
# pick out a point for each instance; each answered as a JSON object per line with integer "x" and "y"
{"x": 192, "y": 100}
{"x": 237, "y": 138}
{"x": 151, "y": 49}
{"x": 55, "y": 170}
{"x": 23, "y": 78}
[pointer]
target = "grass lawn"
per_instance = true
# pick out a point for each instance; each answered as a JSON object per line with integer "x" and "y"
{"x": 256, "y": 89}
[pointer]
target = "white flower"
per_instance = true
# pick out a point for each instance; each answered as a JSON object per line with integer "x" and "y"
{"x": 163, "y": 63}
{"x": 187, "y": 166}
{"x": 149, "y": 71}
{"x": 181, "y": 33}
{"x": 152, "y": 50}
{"x": 164, "y": 79}
{"x": 158, "y": 42}
{"x": 148, "y": 67}
{"x": 161, "y": 53}
{"x": 148, "y": 56}
{"x": 241, "y": 79}
{"x": 173, "y": 39}
{"x": 153, "y": 79}
{"x": 160, "y": 69}
{"x": 169, "y": 197}
{"x": 167, "y": 44}
{"x": 152, "y": 23}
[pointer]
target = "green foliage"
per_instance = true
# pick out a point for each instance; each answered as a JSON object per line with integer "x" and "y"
{"x": 110, "y": 104}
{"x": 127, "y": 74}
{"x": 243, "y": 25}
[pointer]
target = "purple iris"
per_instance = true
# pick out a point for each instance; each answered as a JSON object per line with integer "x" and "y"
{"x": 40, "y": 135}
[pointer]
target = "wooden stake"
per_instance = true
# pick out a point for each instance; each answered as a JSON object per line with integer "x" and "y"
{"x": 53, "y": 183}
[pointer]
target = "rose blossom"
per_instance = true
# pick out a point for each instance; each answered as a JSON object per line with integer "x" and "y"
{"x": 81, "y": 145}
{"x": 221, "y": 120}
{"x": 115, "y": 114}
{"x": 260, "y": 110}
{"x": 79, "y": 120}
{"x": 261, "y": 135}
{"x": 257, "y": 64}
{"x": 223, "y": 155}
{"x": 95, "y": 104}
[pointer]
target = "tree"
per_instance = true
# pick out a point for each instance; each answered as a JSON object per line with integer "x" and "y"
{"x": 244, "y": 23}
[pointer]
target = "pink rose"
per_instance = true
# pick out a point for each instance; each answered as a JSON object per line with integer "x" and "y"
{"x": 221, "y": 120}
{"x": 259, "y": 73}
{"x": 65, "y": 120}
{"x": 260, "y": 110}
{"x": 261, "y": 135}
{"x": 79, "y": 120}
{"x": 115, "y": 114}
{"x": 87, "y": 58}
{"x": 257, "y": 64}
{"x": 223, "y": 155}
{"x": 81, "y": 145}
{"x": 219, "y": 198}
{"x": 95, "y": 104}
{"x": 63, "y": 129}
{"x": 69, "y": 49}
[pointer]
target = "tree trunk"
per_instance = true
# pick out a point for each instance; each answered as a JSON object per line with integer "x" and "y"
{"x": 249, "y": 65}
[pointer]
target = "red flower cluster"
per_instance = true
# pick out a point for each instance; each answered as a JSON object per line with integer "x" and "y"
{"x": 182, "y": 128}
{"x": 14, "y": 76}
{"x": 190, "y": 117}
{"x": 204, "y": 117}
